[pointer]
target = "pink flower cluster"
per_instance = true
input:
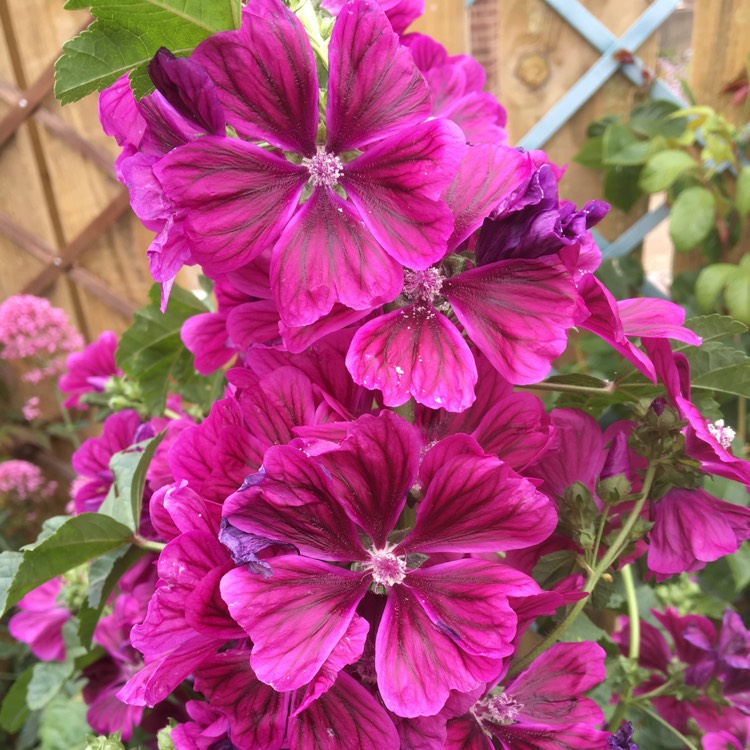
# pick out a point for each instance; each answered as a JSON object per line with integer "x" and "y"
{"x": 34, "y": 331}
{"x": 350, "y": 533}
{"x": 22, "y": 480}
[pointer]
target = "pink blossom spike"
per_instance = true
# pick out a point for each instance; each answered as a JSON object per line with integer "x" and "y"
{"x": 326, "y": 255}
{"x": 414, "y": 351}
{"x": 374, "y": 87}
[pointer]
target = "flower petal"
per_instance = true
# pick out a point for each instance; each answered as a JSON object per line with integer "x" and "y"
{"x": 295, "y": 618}
{"x": 257, "y": 714}
{"x": 327, "y": 255}
{"x": 374, "y": 87}
{"x": 347, "y": 716}
{"x": 265, "y": 76}
{"x": 414, "y": 351}
{"x": 517, "y": 312}
{"x": 396, "y": 186}
{"x": 465, "y": 733}
{"x": 237, "y": 198}
{"x": 253, "y": 323}
{"x": 478, "y": 504}
{"x": 373, "y": 470}
{"x": 543, "y": 737}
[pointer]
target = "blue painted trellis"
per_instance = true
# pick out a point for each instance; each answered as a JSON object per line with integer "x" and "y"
{"x": 611, "y": 48}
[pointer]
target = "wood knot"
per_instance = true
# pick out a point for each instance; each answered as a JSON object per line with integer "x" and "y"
{"x": 533, "y": 70}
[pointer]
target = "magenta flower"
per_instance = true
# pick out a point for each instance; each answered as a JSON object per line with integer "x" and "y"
{"x": 240, "y": 198}
{"x": 517, "y": 312}
{"x": 400, "y": 12}
{"x": 88, "y": 371}
{"x": 40, "y": 622}
{"x": 445, "y": 627}
{"x": 544, "y": 708}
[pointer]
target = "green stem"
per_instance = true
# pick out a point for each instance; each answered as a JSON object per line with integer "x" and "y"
{"x": 569, "y": 388}
{"x": 635, "y": 644}
{"x": 150, "y": 546}
{"x": 600, "y": 534}
{"x": 309, "y": 18}
{"x": 69, "y": 426}
{"x": 667, "y": 725}
{"x": 612, "y": 554}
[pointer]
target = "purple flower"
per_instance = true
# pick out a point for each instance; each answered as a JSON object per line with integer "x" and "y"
{"x": 89, "y": 370}
{"x": 445, "y": 627}
{"x": 543, "y": 708}
{"x": 622, "y": 739}
{"x": 240, "y": 199}
{"x": 516, "y": 312}
{"x": 40, "y": 622}
{"x": 400, "y": 12}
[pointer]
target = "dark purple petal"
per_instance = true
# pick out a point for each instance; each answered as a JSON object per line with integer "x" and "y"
{"x": 237, "y": 197}
{"x": 253, "y": 323}
{"x": 188, "y": 89}
{"x": 298, "y": 340}
{"x": 400, "y": 12}
{"x": 327, "y": 255}
{"x": 373, "y": 470}
{"x": 374, "y": 87}
{"x": 465, "y": 733}
{"x": 478, "y": 504}
{"x": 265, "y": 76}
{"x": 347, "y": 716}
{"x": 396, "y": 186}
{"x": 517, "y": 312}
{"x": 295, "y": 618}
{"x": 418, "y": 664}
{"x": 551, "y": 689}
{"x": 488, "y": 180}
{"x": 414, "y": 351}
{"x": 257, "y": 714}
{"x": 467, "y": 600}
{"x": 543, "y": 737}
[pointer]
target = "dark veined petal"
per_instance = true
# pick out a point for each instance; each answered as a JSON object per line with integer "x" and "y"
{"x": 467, "y": 600}
{"x": 414, "y": 351}
{"x": 327, "y": 255}
{"x": 374, "y": 87}
{"x": 344, "y": 718}
{"x": 400, "y": 12}
{"x": 265, "y": 76}
{"x": 419, "y": 664}
{"x": 238, "y": 198}
{"x": 396, "y": 186}
{"x": 479, "y": 504}
{"x": 373, "y": 470}
{"x": 253, "y": 323}
{"x": 488, "y": 180}
{"x": 551, "y": 689}
{"x": 517, "y": 312}
{"x": 465, "y": 733}
{"x": 296, "y": 617}
{"x": 542, "y": 737}
{"x": 257, "y": 714}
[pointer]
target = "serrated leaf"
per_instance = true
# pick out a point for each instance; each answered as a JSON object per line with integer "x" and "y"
{"x": 714, "y": 366}
{"x": 663, "y": 169}
{"x": 742, "y": 197}
{"x": 47, "y": 678}
{"x": 127, "y": 34}
{"x": 104, "y": 574}
{"x": 554, "y": 567}
{"x": 63, "y": 724}
{"x": 124, "y": 502}
{"x": 10, "y": 562}
{"x": 713, "y": 328}
{"x": 14, "y": 710}
{"x": 692, "y": 217}
{"x": 711, "y": 282}
{"x": 80, "y": 539}
{"x": 151, "y": 352}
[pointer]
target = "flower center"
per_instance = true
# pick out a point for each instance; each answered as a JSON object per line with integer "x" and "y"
{"x": 723, "y": 434}
{"x": 325, "y": 169}
{"x": 497, "y": 709}
{"x": 423, "y": 285}
{"x": 386, "y": 568}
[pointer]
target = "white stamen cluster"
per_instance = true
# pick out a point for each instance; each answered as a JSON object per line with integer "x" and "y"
{"x": 325, "y": 169}
{"x": 386, "y": 568}
{"x": 723, "y": 434}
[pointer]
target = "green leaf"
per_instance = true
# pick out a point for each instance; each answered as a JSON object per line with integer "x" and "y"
{"x": 714, "y": 366}
{"x": 663, "y": 169}
{"x": 47, "y": 679}
{"x": 63, "y": 724}
{"x": 693, "y": 215}
{"x": 104, "y": 574}
{"x": 153, "y": 355}
{"x": 621, "y": 187}
{"x": 622, "y": 148}
{"x": 713, "y": 328}
{"x": 652, "y": 119}
{"x": 743, "y": 192}
{"x": 78, "y": 540}
{"x": 737, "y": 296}
{"x": 14, "y": 710}
{"x": 590, "y": 154}
{"x": 10, "y": 562}
{"x": 125, "y": 500}
{"x": 127, "y": 34}
{"x": 711, "y": 282}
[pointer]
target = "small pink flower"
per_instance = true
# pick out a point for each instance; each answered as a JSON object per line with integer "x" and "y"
{"x": 24, "y": 480}
{"x": 31, "y": 409}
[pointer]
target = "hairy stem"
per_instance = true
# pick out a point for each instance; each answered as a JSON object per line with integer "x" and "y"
{"x": 611, "y": 555}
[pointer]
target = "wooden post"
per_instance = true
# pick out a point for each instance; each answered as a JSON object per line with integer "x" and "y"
{"x": 447, "y": 21}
